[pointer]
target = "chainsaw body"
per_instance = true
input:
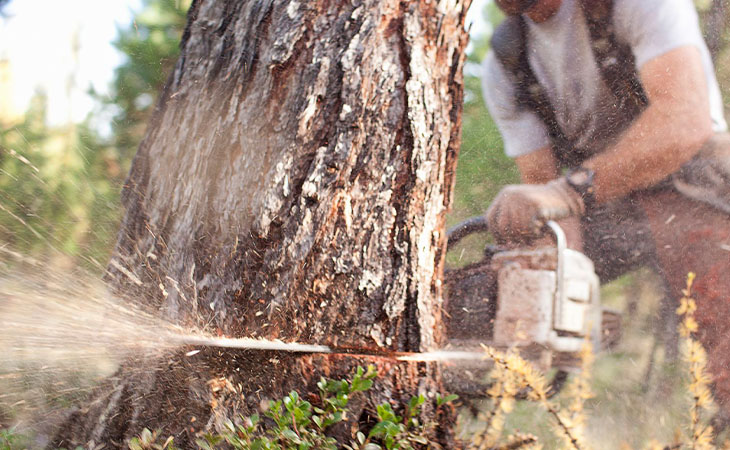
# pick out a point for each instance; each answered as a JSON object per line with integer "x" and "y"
{"x": 544, "y": 301}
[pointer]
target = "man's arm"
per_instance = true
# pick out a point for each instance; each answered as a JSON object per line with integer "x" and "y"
{"x": 666, "y": 135}
{"x": 538, "y": 167}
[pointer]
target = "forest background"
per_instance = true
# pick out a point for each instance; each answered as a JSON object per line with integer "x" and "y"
{"x": 60, "y": 200}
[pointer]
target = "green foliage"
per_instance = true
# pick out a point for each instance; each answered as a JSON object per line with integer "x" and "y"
{"x": 483, "y": 167}
{"x": 396, "y": 432}
{"x": 11, "y": 440}
{"x": 58, "y": 190}
{"x": 150, "y": 45}
{"x": 294, "y": 423}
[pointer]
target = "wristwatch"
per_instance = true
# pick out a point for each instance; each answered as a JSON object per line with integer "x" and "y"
{"x": 580, "y": 179}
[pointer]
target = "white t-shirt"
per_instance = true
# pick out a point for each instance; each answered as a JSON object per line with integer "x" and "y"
{"x": 560, "y": 55}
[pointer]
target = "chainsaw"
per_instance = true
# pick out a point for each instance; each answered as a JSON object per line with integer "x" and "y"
{"x": 544, "y": 301}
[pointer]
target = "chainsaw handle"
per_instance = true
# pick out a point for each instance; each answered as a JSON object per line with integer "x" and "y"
{"x": 478, "y": 224}
{"x": 561, "y": 243}
{"x": 459, "y": 231}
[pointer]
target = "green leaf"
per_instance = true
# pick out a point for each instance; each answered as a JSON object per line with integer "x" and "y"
{"x": 448, "y": 399}
{"x": 213, "y": 439}
{"x": 291, "y": 400}
{"x": 146, "y": 437}
{"x": 133, "y": 444}
{"x": 231, "y": 427}
{"x": 378, "y": 430}
{"x": 261, "y": 444}
{"x": 419, "y": 439}
{"x": 203, "y": 444}
{"x": 416, "y": 402}
{"x": 291, "y": 435}
{"x": 371, "y": 373}
{"x": 385, "y": 412}
{"x": 332, "y": 419}
{"x": 360, "y": 384}
{"x": 358, "y": 373}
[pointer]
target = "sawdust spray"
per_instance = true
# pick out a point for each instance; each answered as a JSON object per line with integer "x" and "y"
{"x": 62, "y": 333}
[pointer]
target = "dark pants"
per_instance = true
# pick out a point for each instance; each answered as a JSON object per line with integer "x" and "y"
{"x": 675, "y": 235}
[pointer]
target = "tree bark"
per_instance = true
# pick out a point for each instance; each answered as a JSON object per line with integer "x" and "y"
{"x": 292, "y": 184}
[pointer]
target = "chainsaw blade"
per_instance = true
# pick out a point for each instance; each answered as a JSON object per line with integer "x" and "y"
{"x": 294, "y": 347}
{"x": 252, "y": 344}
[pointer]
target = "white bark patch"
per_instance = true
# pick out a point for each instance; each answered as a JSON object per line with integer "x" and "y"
{"x": 424, "y": 171}
{"x": 346, "y": 109}
{"x": 370, "y": 281}
{"x": 309, "y": 188}
{"x": 347, "y": 210}
{"x": 446, "y": 6}
{"x": 127, "y": 273}
{"x": 349, "y": 56}
{"x": 425, "y": 113}
{"x": 292, "y": 9}
{"x": 376, "y": 332}
{"x": 306, "y": 116}
{"x": 273, "y": 199}
{"x": 285, "y": 187}
{"x": 318, "y": 89}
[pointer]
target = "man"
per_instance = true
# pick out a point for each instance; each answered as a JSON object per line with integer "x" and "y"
{"x": 617, "y": 200}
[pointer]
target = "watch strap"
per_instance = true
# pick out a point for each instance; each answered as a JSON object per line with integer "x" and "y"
{"x": 580, "y": 179}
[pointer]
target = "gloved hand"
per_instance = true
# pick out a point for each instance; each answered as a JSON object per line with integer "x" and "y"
{"x": 519, "y": 211}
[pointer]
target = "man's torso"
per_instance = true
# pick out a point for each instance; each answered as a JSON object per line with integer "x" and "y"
{"x": 560, "y": 55}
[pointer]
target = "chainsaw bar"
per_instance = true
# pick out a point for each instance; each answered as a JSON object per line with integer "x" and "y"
{"x": 294, "y": 347}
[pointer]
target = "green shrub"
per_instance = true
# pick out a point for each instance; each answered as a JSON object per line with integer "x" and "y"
{"x": 294, "y": 423}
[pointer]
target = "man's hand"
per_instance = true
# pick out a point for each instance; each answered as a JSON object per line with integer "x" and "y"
{"x": 519, "y": 211}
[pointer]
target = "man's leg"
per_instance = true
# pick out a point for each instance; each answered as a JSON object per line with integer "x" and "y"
{"x": 617, "y": 238}
{"x": 693, "y": 237}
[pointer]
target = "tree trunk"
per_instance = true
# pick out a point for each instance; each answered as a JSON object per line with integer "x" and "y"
{"x": 292, "y": 184}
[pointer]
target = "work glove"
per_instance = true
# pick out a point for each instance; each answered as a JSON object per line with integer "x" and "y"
{"x": 520, "y": 211}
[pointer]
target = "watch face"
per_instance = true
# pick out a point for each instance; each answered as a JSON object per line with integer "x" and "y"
{"x": 581, "y": 180}
{"x": 580, "y": 177}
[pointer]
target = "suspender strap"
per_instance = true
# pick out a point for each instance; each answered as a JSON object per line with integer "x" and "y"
{"x": 509, "y": 43}
{"x": 615, "y": 59}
